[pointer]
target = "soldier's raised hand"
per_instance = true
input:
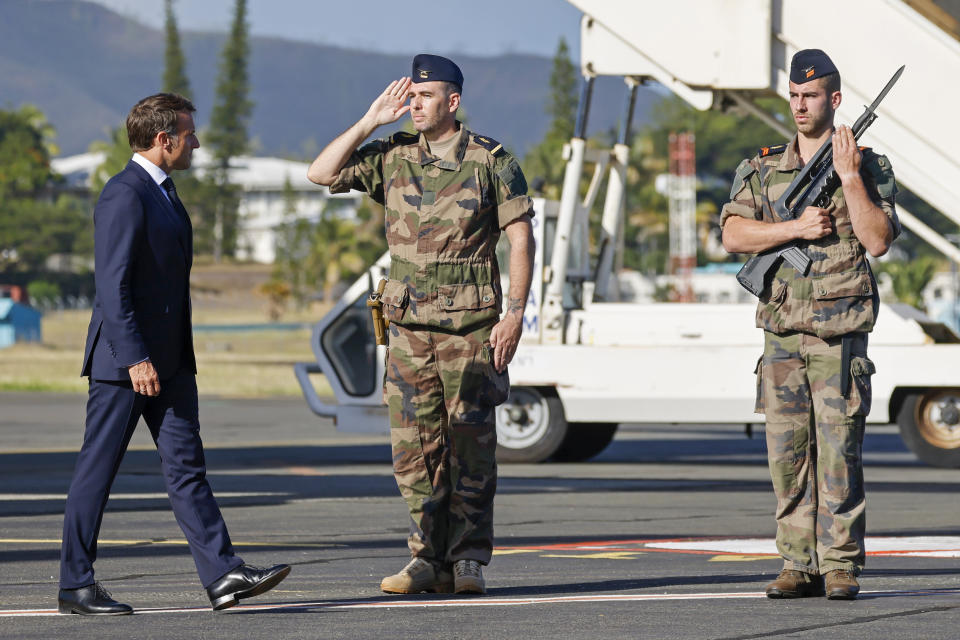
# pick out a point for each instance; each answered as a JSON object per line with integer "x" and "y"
{"x": 846, "y": 154}
{"x": 389, "y": 106}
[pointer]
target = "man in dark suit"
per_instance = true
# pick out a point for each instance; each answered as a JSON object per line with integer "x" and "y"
{"x": 139, "y": 357}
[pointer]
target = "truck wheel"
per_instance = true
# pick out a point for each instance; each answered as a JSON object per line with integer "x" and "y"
{"x": 585, "y": 440}
{"x": 930, "y": 426}
{"x": 530, "y": 425}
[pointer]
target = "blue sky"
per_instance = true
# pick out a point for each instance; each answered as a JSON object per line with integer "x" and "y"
{"x": 475, "y": 27}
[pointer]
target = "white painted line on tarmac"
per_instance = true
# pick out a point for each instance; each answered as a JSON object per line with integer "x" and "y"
{"x": 477, "y": 602}
{"x": 912, "y": 546}
{"x": 746, "y": 548}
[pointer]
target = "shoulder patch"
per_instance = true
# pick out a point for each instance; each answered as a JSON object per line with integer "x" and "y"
{"x": 771, "y": 151}
{"x": 489, "y": 144}
{"x": 404, "y": 137}
{"x": 512, "y": 176}
{"x": 878, "y": 167}
{"x": 744, "y": 171}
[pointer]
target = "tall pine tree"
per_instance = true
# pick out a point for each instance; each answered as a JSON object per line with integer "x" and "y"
{"x": 228, "y": 136}
{"x": 174, "y": 71}
{"x": 563, "y": 94}
{"x": 543, "y": 164}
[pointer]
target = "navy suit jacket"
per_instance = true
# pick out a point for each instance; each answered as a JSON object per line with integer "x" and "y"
{"x": 143, "y": 252}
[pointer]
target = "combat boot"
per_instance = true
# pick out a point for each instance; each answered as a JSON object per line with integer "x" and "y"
{"x": 418, "y": 576}
{"x": 795, "y": 584}
{"x": 841, "y": 584}
{"x": 468, "y": 577}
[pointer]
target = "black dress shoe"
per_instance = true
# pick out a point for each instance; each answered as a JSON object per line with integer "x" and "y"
{"x": 244, "y": 582}
{"x": 92, "y": 600}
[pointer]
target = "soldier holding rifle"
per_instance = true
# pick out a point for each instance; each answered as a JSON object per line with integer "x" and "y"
{"x": 813, "y": 380}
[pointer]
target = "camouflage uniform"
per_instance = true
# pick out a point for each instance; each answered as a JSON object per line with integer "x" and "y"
{"x": 814, "y": 433}
{"x": 443, "y": 218}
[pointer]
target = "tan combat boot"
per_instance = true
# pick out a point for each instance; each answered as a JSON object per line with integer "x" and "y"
{"x": 468, "y": 577}
{"x": 795, "y": 584}
{"x": 841, "y": 584}
{"x": 418, "y": 576}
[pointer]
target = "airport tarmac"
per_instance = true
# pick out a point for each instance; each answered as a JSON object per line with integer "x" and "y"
{"x": 667, "y": 534}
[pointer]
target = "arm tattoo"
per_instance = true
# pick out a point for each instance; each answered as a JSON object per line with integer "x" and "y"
{"x": 515, "y": 305}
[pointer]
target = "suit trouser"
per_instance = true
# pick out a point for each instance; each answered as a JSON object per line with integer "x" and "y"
{"x": 113, "y": 410}
{"x": 814, "y": 442}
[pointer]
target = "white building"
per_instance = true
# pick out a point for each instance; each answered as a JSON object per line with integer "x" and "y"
{"x": 262, "y": 204}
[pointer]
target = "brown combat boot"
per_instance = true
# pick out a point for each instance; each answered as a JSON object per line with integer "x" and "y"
{"x": 418, "y": 576}
{"x": 795, "y": 584}
{"x": 468, "y": 577}
{"x": 841, "y": 584}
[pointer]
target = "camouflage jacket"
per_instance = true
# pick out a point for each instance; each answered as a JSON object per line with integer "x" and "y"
{"x": 443, "y": 218}
{"x": 839, "y": 293}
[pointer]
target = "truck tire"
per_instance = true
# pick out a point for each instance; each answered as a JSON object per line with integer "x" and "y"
{"x": 585, "y": 440}
{"x": 531, "y": 425}
{"x": 930, "y": 426}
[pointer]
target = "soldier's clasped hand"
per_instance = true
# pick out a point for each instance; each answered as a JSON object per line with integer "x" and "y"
{"x": 814, "y": 223}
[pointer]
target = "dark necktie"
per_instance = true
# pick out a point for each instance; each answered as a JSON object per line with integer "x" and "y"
{"x": 171, "y": 190}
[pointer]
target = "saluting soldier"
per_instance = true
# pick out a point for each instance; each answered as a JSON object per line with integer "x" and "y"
{"x": 813, "y": 381}
{"x": 447, "y": 194}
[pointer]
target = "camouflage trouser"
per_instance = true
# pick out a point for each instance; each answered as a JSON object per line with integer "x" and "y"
{"x": 814, "y": 439}
{"x": 441, "y": 390}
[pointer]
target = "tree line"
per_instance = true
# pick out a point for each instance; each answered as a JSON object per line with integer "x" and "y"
{"x": 211, "y": 198}
{"x": 40, "y": 220}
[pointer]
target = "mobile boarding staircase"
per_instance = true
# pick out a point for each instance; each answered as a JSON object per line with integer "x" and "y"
{"x": 725, "y": 54}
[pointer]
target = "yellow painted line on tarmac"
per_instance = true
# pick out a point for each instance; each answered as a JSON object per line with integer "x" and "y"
{"x": 37, "y": 497}
{"x": 36, "y": 450}
{"x": 731, "y": 557}
{"x": 606, "y": 555}
{"x": 277, "y": 543}
{"x": 208, "y": 447}
{"x": 510, "y": 552}
{"x": 306, "y": 471}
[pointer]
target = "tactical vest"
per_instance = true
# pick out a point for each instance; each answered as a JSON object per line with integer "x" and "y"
{"x": 443, "y": 219}
{"x": 839, "y": 293}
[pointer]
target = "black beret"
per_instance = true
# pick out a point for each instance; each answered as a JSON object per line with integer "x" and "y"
{"x": 430, "y": 68}
{"x": 810, "y": 64}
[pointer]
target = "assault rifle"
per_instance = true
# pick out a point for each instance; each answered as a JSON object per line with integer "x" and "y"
{"x": 814, "y": 186}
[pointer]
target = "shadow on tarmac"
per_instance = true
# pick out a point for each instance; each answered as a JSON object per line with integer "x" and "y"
{"x": 306, "y": 473}
{"x": 735, "y": 448}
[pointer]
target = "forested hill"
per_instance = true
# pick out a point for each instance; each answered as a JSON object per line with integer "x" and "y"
{"x": 84, "y": 66}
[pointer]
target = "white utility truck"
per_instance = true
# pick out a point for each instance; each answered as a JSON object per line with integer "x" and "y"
{"x": 620, "y": 362}
{"x": 589, "y": 362}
